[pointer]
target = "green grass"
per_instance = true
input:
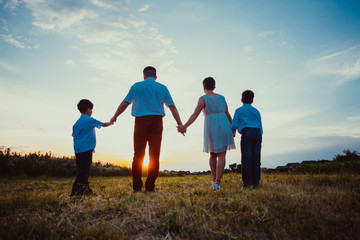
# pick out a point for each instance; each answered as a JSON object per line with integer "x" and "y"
{"x": 286, "y": 206}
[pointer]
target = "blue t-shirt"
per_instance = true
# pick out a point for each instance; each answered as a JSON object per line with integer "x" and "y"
{"x": 246, "y": 116}
{"x": 84, "y": 133}
{"x": 148, "y": 98}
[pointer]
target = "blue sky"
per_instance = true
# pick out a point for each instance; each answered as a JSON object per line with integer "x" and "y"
{"x": 301, "y": 58}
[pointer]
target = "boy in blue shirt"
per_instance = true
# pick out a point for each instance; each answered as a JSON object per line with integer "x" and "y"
{"x": 247, "y": 120}
{"x": 84, "y": 146}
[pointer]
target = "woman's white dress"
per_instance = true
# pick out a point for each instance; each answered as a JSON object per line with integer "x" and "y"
{"x": 218, "y": 136}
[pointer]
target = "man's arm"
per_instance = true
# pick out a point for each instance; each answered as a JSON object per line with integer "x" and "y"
{"x": 106, "y": 124}
{"x": 175, "y": 114}
{"x": 122, "y": 107}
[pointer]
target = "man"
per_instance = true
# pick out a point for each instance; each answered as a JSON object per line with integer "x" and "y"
{"x": 148, "y": 98}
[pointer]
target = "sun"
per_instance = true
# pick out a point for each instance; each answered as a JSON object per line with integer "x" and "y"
{"x": 146, "y": 159}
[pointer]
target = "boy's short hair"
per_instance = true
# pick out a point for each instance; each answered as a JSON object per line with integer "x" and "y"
{"x": 209, "y": 83}
{"x": 84, "y": 105}
{"x": 149, "y": 71}
{"x": 247, "y": 97}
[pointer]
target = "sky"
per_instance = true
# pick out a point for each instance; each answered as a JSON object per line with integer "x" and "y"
{"x": 301, "y": 59}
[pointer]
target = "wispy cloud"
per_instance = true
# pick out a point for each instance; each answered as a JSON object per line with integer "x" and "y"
{"x": 248, "y": 49}
{"x": 8, "y": 67}
{"x": 69, "y": 62}
{"x": 103, "y": 4}
{"x": 120, "y": 23}
{"x": 11, "y": 4}
{"x": 344, "y": 64}
{"x": 144, "y": 8}
{"x": 9, "y": 38}
{"x": 286, "y": 44}
{"x": 266, "y": 34}
{"x": 57, "y": 17}
{"x": 116, "y": 33}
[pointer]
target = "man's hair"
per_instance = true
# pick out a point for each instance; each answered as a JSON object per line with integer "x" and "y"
{"x": 84, "y": 105}
{"x": 149, "y": 71}
{"x": 247, "y": 96}
{"x": 209, "y": 83}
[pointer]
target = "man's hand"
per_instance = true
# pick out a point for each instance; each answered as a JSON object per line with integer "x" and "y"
{"x": 113, "y": 119}
{"x": 181, "y": 129}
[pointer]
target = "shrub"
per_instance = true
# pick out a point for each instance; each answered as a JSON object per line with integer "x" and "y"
{"x": 38, "y": 164}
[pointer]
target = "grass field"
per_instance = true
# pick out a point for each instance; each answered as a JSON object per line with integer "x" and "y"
{"x": 286, "y": 206}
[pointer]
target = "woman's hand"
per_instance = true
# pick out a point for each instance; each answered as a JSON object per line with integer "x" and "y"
{"x": 181, "y": 129}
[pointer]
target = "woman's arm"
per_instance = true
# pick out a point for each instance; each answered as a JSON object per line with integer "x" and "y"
{"x": 200, "y": 106}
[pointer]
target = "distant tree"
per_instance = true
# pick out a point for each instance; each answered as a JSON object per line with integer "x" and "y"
{"x": 235, "y": 168}
{"x": 349, "y": 156}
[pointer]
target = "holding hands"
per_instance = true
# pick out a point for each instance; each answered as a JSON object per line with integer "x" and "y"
{"x": 182, "y": 129}
{"x": 113, "y": 119}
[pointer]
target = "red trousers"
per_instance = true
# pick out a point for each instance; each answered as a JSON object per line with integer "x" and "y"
{"x": 148, "y": 129}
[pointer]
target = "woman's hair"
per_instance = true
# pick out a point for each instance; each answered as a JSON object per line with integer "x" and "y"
{"x": 209, "y": 83}
{"x": 84, "y": 105}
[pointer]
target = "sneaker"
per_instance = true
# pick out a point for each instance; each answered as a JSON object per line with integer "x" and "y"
{"x": 217, "y": 187}
{"x": 213, "y": 186}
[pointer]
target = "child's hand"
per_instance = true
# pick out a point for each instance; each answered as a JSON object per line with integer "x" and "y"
{"x": 107, "y": 124}
{"x": 113, "y": 119}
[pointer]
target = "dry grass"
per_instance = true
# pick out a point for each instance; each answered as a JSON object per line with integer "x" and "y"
{"x": 284, "y": 207}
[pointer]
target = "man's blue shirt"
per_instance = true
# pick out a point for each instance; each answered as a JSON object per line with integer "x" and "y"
{"x": 246, "y": 116}
{"x": 148, "y": 98}
{"x": 84, "y": 133}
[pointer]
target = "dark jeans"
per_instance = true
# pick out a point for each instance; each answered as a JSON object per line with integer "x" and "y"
{"x": 83, "y": 165}
{"x": 148, "y": 129}
{"x": 250, "y": 156}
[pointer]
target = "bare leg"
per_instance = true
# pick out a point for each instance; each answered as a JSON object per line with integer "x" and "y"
{"x": 212, "y": 163}
{"x": 220, "y": 166}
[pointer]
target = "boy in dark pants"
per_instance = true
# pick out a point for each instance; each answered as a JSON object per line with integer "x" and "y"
{"x": 84, "y": 145}
{"x": 247, "y": 120}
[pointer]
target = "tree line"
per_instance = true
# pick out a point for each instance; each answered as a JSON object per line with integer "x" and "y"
{"x": 37, "y": 164}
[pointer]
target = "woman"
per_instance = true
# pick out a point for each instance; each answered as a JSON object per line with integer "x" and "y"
{"x": 218, "y": 137}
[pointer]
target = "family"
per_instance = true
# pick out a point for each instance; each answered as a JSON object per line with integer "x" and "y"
{"x": 148, "y": 98}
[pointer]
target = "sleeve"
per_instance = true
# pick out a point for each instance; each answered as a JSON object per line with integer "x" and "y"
{"x": 130, "y": 96}
{"x": 261, "y": 128}
{"x": 168, "y": 99}
{"x": 96, "y": 123}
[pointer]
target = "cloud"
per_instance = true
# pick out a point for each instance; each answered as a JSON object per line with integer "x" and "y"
{"x": 8, "y": 67}
{"x": 344, "y": 64}
{"x": 12, "y": 4}
{"x": 11, "y": 39}
{"x": 116, "y": 33}
{"x": 286, "y": 44}
{"x": 266, "y": 34}
{"x": 55, "y": 17}
{"x": 69, "y": 62}
{"x": 103, "y": 4}
{"x": 144, "y": 8}
{"x": 248, "y": 49}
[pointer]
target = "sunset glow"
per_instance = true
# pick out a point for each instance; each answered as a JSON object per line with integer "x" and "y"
{"x": 300, "y": 58}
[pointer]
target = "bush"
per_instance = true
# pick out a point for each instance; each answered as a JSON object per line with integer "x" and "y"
{"x": 349, "y": 156}
{"x": 38, "y": 164}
